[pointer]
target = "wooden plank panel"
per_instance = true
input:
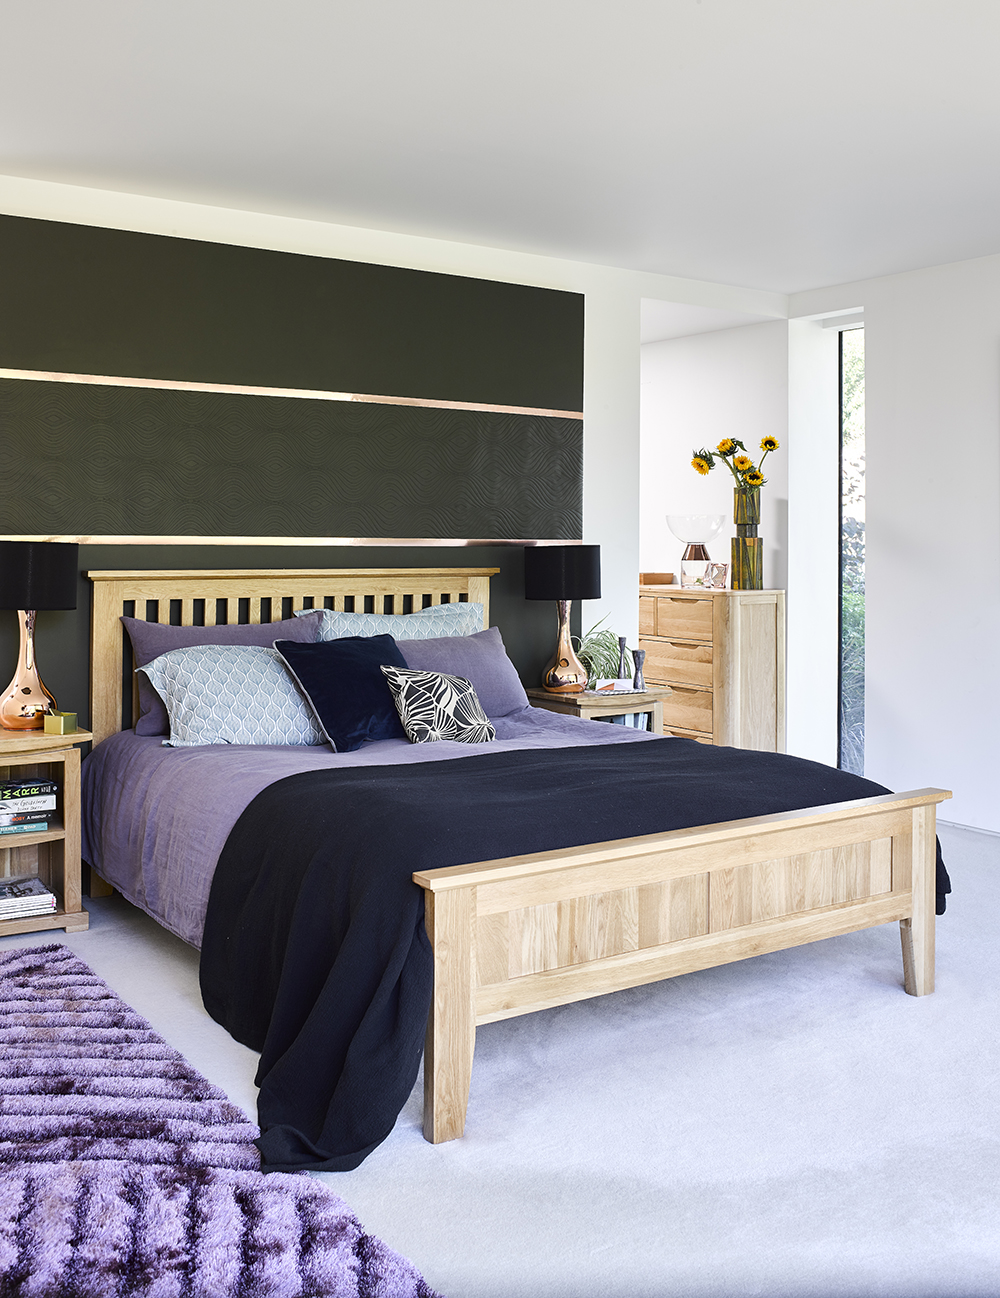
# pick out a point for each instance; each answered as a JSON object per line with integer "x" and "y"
{"x": 730, "y": 898}
{"x": 902, "y": 859}
{"x": 635, "y": 968}
{"x": 533, "y": 942}
{"x": 492, "y": 959}
{"x": 880, "y": 866}
{"x": 688, "y": 907}
{"x": 554, "y": 876}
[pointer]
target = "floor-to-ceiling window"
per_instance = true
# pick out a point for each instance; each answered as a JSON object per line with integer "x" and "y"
{"x": 852, "y": 550}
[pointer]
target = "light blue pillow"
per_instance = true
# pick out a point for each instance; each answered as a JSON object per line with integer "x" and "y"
{"x": 231, "y": 694}
{"x": 426, "y": 624}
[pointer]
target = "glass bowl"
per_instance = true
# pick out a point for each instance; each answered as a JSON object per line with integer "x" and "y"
{"x": 697, "y": 529}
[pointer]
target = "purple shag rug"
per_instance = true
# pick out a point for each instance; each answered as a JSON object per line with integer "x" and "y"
{"x": 125, "y": 1174}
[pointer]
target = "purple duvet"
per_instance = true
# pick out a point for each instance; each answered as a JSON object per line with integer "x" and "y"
{"x": 155, "y": 819}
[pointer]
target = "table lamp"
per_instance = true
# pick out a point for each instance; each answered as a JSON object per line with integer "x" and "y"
{"x": 33, "y": 575}
{"x": 563, "y": 573}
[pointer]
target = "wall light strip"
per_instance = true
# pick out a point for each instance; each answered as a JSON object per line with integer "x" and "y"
{"x": 437, "y": 541}
{"x": 303, "y": 394}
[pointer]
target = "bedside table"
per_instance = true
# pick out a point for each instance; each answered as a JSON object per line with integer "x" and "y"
{"x": 595, "y": 707}
{"x": 54, "y": 855}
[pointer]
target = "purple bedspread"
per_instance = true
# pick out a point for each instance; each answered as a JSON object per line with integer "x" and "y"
{"x": 155, "y": 819}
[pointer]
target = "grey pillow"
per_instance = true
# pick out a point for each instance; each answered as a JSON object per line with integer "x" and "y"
{"x": 480, "y": 659}
{"x": 151, "y": 639}
{"x": 231, "y": 694}
{"x": 426, "y": 623}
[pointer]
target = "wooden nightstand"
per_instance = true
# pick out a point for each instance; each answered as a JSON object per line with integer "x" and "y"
{"x": 54, "y": 856}
{"x": 594, "y": 707}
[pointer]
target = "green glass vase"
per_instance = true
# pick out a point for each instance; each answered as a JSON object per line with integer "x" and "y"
{"x": 747, "y": 546}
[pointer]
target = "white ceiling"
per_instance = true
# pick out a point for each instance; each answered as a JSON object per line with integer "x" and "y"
{"x": 777, "y": 144}
{"x": 663, "y": 320}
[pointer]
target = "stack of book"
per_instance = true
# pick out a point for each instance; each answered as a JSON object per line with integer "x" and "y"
{"x": 22, "y": 898}
{"x": 27, "y": 806}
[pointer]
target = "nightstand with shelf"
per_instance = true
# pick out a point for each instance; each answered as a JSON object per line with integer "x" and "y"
{"x": 593, "y": 706}
{"x": 53, "y": 855}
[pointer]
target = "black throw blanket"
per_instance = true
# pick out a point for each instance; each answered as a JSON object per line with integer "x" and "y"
{"x": 315, "y": 952}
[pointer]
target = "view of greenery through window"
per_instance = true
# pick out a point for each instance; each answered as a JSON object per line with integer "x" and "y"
{"x": 852, "y": 550}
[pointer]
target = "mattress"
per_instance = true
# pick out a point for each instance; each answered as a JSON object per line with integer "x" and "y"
{"x": 155, "y": 819}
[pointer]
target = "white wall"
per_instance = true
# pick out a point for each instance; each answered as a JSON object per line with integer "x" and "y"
{"x": 695, "y": 391}
{"x": 813, "y": 603}
{"x": 932, "y": 388}
{"x": 611, "y": 346}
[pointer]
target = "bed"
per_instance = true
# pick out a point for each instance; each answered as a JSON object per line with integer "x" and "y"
{"x": 526, "y": 932}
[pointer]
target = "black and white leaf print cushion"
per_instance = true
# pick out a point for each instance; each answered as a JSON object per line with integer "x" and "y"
{"x": 434, "y": 706}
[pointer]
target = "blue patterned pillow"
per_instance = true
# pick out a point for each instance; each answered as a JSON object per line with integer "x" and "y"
{"x": 434, "y": 706}
{"x": 425, "y": 624}
{"x": 231, "y": 694}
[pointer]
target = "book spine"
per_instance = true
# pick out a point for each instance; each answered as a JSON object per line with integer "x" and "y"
{"x": 16, "y": 806}
{"x": 26, "y": 788}
{"x": 31, "y": 827}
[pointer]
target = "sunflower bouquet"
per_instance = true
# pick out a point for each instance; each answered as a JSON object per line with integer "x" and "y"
{"x": 733, "y": 455}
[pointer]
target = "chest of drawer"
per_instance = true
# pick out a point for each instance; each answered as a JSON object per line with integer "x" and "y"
{"x": 673, "y": 662}
{"x": 684, "y": 619}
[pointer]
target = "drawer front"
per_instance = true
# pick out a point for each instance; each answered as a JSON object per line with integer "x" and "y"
{"x": 647, "y": 615}
{"x": 670, "y": 662}
{"x": 678, "y": 733}
{"x": 688, "y": 709}
{"x": 684, "y": 619}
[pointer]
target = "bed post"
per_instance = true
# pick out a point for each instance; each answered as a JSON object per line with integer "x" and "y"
{"x": 917, "y": 932}
{"x": 451, "y": 1025}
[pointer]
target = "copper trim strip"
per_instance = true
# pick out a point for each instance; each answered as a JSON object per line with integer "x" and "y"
{"x": 304, "y": 394}
{"x": 437, "y": 541}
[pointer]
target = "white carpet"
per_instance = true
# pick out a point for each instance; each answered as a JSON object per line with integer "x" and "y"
{"x": 792, "y": 1125}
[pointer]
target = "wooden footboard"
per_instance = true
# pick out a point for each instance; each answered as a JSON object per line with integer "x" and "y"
{"x": 529, "y": 932}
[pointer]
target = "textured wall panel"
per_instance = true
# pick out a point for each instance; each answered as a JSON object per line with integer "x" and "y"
{"x": 95, "y": 460}
{"x": 77, "y": 299}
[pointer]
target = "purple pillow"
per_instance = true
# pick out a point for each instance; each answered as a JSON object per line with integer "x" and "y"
{"x": 150, "y": 639}
{"x": 479, "y": 658}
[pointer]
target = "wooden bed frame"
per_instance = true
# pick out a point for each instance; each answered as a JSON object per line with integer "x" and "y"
{"x": 529, "y": 932}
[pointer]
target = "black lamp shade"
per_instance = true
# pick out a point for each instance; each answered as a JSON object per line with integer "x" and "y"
{"x": 38, "y": 574}
{"x": 562, "y": 572}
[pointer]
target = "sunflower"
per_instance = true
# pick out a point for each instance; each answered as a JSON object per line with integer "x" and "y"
{"x": 754, "y": 478}
{"x": 743, "y": 462}
{"x": 726, "y": 446}
{"x": 701, "y": 465}
{"x": 769, "y": 443}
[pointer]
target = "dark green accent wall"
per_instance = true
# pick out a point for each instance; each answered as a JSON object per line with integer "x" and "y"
{"x": 82, "y": 300}
{"x": 84, "y": 460}
{"x": 96, "y": 461}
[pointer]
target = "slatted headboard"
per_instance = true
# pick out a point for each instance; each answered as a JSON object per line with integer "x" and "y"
{"x": 213, "y": 598}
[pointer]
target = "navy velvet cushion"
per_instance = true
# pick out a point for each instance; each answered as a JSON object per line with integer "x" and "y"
{"x": 343, "y": 681}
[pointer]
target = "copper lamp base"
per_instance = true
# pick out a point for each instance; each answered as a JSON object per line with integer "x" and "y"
{"x": 565, "y": 673}
{"x": 25, "y": 701}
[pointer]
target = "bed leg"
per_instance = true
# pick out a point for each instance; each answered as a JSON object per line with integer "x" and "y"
{"x": 917, "y": 933}
{"x": 451, "y": 1025}
{"x": 98, "y": 887}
